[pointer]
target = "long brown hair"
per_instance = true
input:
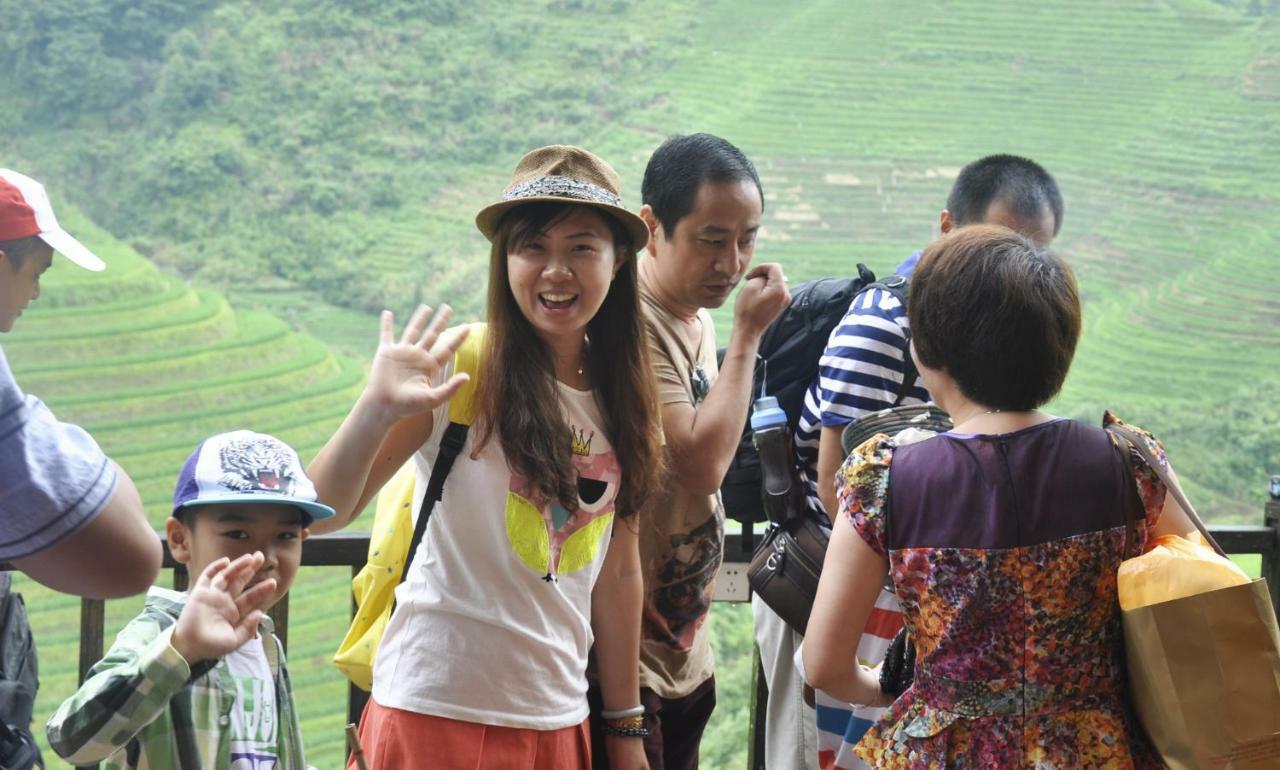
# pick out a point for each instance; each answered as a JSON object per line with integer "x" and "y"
{"x": 517, "y": 398}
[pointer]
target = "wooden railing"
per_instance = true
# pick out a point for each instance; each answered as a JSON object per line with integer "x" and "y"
{"x": 349, "y": 549}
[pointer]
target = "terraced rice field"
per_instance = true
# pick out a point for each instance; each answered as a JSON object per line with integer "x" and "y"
{"x": 151, "y": 366}
{"x": 1159, "y": 120}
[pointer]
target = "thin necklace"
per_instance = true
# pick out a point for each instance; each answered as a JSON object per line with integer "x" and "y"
{"x": 976, "y": 416}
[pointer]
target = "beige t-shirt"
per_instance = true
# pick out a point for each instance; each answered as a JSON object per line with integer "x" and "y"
{"x": 682, "y": 534}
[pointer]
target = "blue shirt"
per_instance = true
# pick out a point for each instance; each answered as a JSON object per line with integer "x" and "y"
{"x": 860, "y": 372}
{"x": 54, "y": 478}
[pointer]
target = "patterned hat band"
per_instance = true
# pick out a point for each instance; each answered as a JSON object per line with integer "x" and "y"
{"x": 562, "y": 187}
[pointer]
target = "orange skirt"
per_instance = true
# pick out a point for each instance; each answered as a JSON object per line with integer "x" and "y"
{"x": 394, "y": 739}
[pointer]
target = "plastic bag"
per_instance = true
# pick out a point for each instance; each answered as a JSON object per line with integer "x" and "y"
{"x": 1173, "y": 568}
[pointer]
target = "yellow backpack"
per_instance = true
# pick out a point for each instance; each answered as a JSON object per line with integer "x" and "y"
{"x": 394, "y": 539}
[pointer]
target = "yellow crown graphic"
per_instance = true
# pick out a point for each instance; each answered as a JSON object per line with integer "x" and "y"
{"x": 582, "y": 442}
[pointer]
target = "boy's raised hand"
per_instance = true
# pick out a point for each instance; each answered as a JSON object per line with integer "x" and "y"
{"x": 220, "y": 614}
{"x": 401, "y": 381}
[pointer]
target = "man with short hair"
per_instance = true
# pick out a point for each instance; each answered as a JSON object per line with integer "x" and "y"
{"x": 63, "y": 503}
{"x": 862, "y": 372}
{"x": 703, "y": 203}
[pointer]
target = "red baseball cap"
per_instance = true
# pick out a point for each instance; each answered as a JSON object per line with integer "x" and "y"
{"x": 25, "y": 211}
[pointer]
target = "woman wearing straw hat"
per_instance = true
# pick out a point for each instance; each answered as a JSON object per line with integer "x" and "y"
{"x": 532, "y": 553}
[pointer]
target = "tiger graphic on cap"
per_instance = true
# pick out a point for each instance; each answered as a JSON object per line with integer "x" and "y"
{"x": 257, "y": 465}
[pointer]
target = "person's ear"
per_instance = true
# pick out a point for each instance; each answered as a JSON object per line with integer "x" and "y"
{"x": 620, "y": 258}
{"x": 179, "y": 537}
{"x": 945, "y": 224}
{"x": 306, "y": 533}
{"x": 655, "y": 228}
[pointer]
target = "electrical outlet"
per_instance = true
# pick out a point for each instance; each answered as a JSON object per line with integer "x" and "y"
{"x": 731, "y": 582}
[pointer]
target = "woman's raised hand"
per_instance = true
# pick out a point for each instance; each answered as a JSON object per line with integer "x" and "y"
{"x": 402, "y": 379}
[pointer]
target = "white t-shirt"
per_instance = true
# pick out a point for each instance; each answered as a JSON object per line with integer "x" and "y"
{"x": 493, "y": 624}
{"x": 255, "y": 732}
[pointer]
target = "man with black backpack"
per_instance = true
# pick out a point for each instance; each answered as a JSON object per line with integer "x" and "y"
{"x": 864, "y": 368}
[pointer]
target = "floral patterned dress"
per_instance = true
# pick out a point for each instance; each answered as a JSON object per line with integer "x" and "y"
{"x": 1004, "y": 550}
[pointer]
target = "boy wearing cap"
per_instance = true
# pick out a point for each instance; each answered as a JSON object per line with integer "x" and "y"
{"x": 62, "y": 501}
{"x": 198, "y": 679}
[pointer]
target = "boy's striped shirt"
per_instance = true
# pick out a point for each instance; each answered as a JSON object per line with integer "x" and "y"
{"x": 841, "y": 725}
{"x": 860, "y": 372}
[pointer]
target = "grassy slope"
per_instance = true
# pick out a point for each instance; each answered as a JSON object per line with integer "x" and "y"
{"x": 378, "y": 132}
{"x": 860, "y": 117}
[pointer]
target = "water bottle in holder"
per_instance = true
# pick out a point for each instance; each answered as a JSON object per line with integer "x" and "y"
{"x": 781, "y": 490}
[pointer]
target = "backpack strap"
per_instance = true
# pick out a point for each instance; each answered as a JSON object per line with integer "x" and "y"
{"x": 461, "y": 415}
{"x": 898, "y": 286}
{"x": 909, "y": 376}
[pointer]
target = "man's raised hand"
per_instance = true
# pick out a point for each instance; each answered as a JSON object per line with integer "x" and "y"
{"x": 763, "y": 297}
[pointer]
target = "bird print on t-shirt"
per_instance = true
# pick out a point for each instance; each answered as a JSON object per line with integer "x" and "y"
{"x": 553, "y": 540}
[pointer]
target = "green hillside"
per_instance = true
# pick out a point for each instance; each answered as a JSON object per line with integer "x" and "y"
{"x": 309, "y": 155}
{"x": 151, "y": 367}
{"x": 1161, "y": 122}
{"x": 298, "y": 165}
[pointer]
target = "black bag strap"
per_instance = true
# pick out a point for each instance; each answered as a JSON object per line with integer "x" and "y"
{"x": 455, "y": 437}
{"x": 909, "y": 376}
{"x": 898, "y": 286}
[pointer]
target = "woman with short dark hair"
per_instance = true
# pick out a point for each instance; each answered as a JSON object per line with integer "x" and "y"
{"x": 1002, "y": 536}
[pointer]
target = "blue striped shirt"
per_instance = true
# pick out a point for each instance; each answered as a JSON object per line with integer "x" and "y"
{"x": 860, "y": 372}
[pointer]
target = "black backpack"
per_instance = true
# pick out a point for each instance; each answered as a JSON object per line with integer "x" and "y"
{"x": 18, "y": 683}
{"x": 786, "y": 365}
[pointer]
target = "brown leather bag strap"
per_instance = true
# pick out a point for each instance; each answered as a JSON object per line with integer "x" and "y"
{"x": 1124, "y": 449}
{"x": 1138, "y": 444}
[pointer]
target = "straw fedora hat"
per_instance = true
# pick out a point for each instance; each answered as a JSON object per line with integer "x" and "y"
{"x": 561, "y": 173}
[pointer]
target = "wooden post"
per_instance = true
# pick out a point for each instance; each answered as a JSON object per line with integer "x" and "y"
{"x": 92, "y": 619}
{"x": 1271, "y": 556}
{"x": 759, "y": 712}
{"x": 279, "y": 615}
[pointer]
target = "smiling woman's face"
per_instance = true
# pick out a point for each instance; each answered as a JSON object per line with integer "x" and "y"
{"x": 560, "y": 277}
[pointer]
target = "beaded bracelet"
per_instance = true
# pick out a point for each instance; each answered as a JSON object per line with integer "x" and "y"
{"x": 625, "y": 732}
{"x": 625, "y": 723}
